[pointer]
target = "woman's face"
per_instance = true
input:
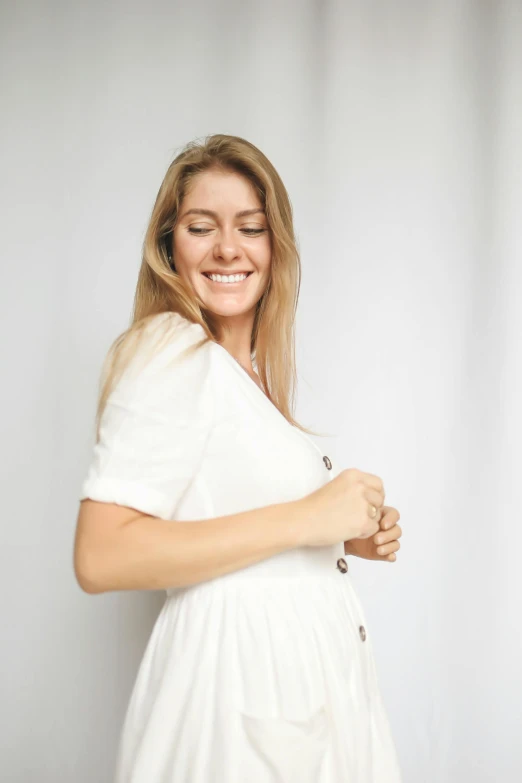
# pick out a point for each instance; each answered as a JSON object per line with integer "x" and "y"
{"x": 222, "y": 229}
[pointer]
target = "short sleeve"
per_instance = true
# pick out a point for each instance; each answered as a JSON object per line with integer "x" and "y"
{"x": 156, "y": 422}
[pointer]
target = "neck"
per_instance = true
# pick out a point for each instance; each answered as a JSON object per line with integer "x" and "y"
{"x": 237, "y": 337}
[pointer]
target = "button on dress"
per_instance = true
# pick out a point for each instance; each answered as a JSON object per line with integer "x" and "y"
{"x": 265, "y": 674}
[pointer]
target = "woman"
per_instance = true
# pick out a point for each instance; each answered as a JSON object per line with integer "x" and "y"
{"x": 260, "y": 666}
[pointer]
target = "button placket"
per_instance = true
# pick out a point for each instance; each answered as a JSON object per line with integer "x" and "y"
{"x": 342, "y": 565}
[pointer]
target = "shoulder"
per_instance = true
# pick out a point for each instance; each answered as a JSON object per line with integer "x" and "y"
{"x": 178, "y": 329}
{"x": 166, "y": 351}
{"x": 167, "y": 336}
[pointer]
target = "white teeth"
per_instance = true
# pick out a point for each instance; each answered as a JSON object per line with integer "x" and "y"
{"x": 227, "y": 278}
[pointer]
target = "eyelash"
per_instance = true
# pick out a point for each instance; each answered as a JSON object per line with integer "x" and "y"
{"x": 249, "y": 231}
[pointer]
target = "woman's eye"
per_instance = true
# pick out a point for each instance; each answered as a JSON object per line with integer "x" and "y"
{"x": 247, "y": 231}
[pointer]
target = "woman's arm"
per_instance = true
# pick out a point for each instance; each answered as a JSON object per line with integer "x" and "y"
{"x": 119, "y": 548}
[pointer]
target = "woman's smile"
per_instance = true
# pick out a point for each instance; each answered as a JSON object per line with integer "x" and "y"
{"x": 234, "y": 281}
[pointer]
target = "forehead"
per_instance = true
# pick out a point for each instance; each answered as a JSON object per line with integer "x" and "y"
{"x": 221, "y": 190}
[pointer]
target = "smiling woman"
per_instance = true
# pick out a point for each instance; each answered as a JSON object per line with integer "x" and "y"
{"x": 260, "y": 665}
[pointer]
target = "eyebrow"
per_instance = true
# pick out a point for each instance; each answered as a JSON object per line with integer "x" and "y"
{"x": 211, "y": 213}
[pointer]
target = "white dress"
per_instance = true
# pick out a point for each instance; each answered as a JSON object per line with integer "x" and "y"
{"x": 266, "y": 674}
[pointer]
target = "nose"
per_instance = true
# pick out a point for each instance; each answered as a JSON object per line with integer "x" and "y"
{"x": 227, "y": 245}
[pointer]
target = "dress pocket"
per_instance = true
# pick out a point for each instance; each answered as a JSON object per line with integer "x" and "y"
{"x": 278, "y": 750}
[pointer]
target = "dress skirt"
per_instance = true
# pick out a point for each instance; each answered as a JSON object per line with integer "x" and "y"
{"x": 263, "y": 675}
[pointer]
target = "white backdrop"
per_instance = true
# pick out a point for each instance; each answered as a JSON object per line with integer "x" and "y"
{"x": 397, "y": 128}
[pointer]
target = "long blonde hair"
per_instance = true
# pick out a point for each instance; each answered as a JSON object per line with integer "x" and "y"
{"x": 161, "y": 289}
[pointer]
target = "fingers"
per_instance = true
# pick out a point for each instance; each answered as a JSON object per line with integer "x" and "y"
{"x": 390, "y": 517}
{"x": 387, "y": 540}
{"x": 373, "y": 482}
{"x": 391, "y": 534}
{"x": 387, "y": 549}
{"x": 371, "y": 533}
{"x": 373, "y": 498}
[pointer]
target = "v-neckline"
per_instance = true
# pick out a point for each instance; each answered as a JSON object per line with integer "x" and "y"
{"x": 243, "y": 373}
{"x": 271, "y": 408}
{"x": 251, "y": 381}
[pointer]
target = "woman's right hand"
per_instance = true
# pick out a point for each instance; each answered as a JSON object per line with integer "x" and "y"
{"x": 340, "y": 510}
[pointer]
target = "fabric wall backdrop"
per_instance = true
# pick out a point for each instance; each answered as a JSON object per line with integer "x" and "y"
{"x": 396, "y": 127}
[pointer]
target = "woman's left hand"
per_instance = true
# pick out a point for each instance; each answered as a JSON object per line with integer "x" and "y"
{"x": 383, "y": 544}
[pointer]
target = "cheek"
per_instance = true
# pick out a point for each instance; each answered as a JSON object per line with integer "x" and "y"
{"x": 187, "y": 252}
{"x": 263, "y": 254}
